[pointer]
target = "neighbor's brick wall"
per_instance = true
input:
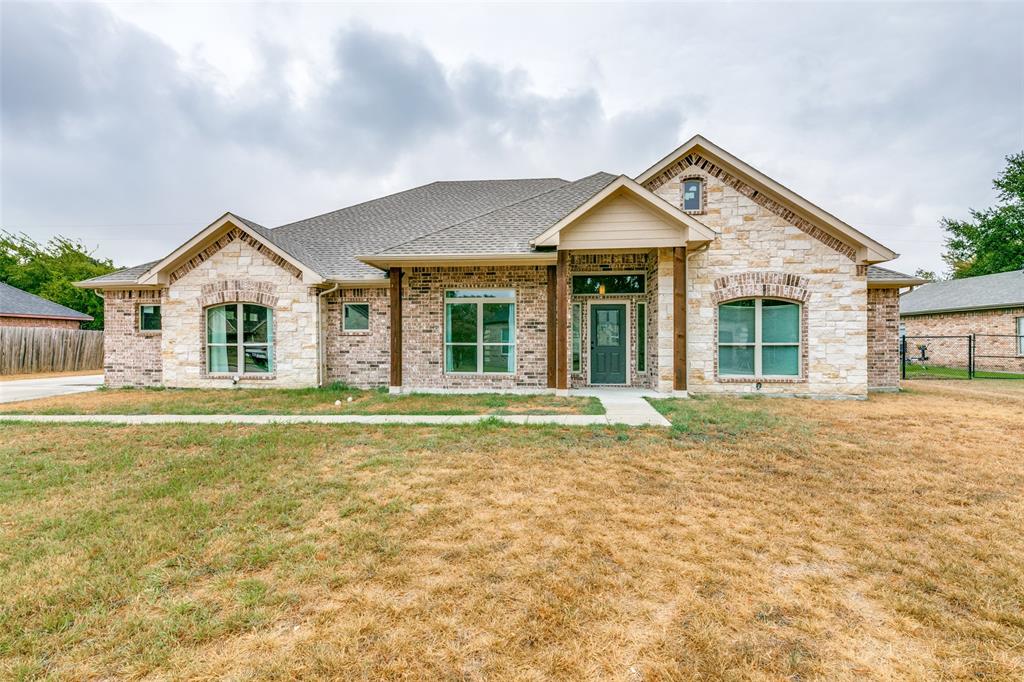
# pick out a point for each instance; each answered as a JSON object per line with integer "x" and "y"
{"x": 39, "y": 322}
{"x": 423, "y": 325}
{"x": 234, "y": 271}
{"x": 1000, "y": 323}
{"x": 883, "y": 338}
{"x": 756, "y": 239}
{"x": 130, "y": 357}
{"x": 359, "y": 359}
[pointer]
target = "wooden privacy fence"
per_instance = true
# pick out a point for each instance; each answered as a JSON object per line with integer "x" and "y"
{"x": 26, "y": 350}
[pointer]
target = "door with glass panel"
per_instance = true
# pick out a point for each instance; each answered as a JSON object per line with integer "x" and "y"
{"x": 608, "y": 343}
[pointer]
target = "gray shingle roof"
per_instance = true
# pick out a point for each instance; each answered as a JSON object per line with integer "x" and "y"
{"x": 1004, "y": 290}
{"x": 124, "y": 274}
{"x": 879, "y": 274}
{"x": 507, "y": 229}
{"x": 334, "y": 240}
{"x": 14, "y": 301}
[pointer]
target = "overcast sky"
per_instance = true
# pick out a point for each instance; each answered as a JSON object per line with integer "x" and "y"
{"x": 131, "y": 127}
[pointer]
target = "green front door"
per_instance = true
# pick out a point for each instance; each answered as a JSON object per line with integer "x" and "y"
{"x": 608, "y": 343}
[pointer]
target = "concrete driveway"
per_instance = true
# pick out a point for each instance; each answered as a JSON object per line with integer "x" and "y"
{"x": 27, "y": 389}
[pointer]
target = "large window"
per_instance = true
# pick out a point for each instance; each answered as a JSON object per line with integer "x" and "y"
{"x": 759, "y": 337}
{"x": 239, "y": 338}
{"x": 479, "y": 331}
{"x": 609, "y": 285}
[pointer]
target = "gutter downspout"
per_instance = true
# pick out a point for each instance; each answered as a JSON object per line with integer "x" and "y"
{"x": 320, "y": 334}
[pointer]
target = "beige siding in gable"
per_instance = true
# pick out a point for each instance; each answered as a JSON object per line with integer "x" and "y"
{"x": 620, "y": 223}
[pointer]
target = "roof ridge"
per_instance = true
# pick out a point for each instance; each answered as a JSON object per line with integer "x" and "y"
{"x": 493, "y": 210}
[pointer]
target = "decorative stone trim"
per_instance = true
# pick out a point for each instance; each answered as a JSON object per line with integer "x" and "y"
{"x": 754, "y": 195}
{"x": 238, "y": 291}
{"x": 224, "y": 240}
{"x": 760, "y": 285}
{"x": 763, "y": 285}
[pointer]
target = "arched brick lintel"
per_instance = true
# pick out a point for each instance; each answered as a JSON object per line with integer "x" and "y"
{"x": 761, "y": 284}
{"x": 238, "y": 291}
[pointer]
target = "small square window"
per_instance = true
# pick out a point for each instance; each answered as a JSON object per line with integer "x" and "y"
{"x": 693, "y": 195}
{"x": 149, "y": 318}
{"x": 355, "y": 317}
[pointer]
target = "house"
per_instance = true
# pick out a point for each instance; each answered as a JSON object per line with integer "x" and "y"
{"x": 21, "y": 309}
{"x": 701, "y": 274}
{"x": 990, "y": 307}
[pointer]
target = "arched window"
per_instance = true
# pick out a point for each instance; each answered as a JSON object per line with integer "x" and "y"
{"x": 759, "y": 337}
{"x": 693, "y": 195}
{"x": 239, "y": 339}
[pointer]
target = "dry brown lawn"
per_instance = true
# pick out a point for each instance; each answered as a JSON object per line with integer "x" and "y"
{"x": 756, "y": 540}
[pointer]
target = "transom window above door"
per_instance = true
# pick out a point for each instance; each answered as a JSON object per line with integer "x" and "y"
{"x": 479, "y": 331}
{"x": 759, "y": 337}
{"x": 611, "y": 284}
{"x": 239, "y": 339}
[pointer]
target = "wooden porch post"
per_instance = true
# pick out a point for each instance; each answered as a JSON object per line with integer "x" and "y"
{"x": 679, "y": 318}
{"x": 551, "y": 326}
{"x": 395, "y": 275}
{"x": 561, "y": 324}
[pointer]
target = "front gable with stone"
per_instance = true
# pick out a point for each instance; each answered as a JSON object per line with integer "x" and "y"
{"x": 539, "y": 284}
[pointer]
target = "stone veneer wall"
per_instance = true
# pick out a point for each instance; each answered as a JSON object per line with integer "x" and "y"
{"x": 130, "y": 357}
{"x": 754, "y": 239}
{"x": 238, "y": 271}
{"x": 360, "y": 359}
{"x": 423, "y": 325}
{"x": 50, "y": 323}
{"x": 999, "y": 352}
{"x": 883, "y": 338}
{"x": 619, "y": 262}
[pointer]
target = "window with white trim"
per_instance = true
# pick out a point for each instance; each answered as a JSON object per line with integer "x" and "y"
{"x": 759, "y": 337}
{"x": 1020, "y": 336}
{"x": 479, "y": 331}
{"x": 239, "y": 339}
{"x": 641, "y": 337}
{"x": 693, "y": 194}
{"x": 577, "y": 337}
{"x": 355, "y": 317}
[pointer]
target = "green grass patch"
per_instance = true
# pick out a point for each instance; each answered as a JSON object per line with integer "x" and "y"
{"x": 938, "y": 372}
{"x": 713, "y": 418}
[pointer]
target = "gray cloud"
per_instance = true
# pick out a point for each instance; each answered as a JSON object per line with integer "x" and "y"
{"x": 105, "y": 124}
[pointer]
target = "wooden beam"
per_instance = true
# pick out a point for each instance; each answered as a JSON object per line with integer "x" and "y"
{"x": 395, "y": 276}
{"x": 679, "y": 318}
{"x": 562, "y": 322}
{"x": 551, "y": 325}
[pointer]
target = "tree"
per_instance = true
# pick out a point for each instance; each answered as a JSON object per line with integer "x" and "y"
{"x": 50, "y": 270}
{"x": 993, "y": 240}
{"x": 929, "y": 275}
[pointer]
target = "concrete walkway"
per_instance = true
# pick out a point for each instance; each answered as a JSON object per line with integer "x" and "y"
{"x": 47, "y": 387}
{"x": 625, "y": 407}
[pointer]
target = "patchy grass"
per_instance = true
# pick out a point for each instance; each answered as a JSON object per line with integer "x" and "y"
{"x": 938, "y": 372}
{"x": 760, "y": 539}
{"x": 297, "y": 401}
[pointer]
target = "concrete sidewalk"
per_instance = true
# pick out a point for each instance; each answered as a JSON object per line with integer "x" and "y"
{"x": 626, "y": 408}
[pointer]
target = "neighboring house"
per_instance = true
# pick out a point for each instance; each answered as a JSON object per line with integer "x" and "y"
{"x": 21, "y": 309}
{"x": 990, "y": 306}
{"x": 701, "y": 274}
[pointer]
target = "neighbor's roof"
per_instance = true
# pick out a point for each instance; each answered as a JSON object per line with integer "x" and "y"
{"x": 17, "y": 303}
{"x": 1003, "y": 290}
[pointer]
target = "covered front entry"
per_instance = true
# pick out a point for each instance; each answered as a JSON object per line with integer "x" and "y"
{"x": 608, "y": 340}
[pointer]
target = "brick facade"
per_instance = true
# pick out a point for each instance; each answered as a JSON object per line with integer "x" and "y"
{"x": 48, "y": 322}
{"x": 996, "y": 346}
{"x": 130, "y": 357}
{"x": 358, "y": 358}
{"x": 883, "y": 339}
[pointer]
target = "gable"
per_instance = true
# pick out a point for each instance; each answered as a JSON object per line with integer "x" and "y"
{"x": 699, "y": 153}
{"x": 244, "y": 246}
{"x": 621, "y": 222}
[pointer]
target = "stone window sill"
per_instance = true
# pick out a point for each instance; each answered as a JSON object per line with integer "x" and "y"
{"x": 242, "y": 377}
{"x": 761, "y": 380}
{"x": 355, "y": 332}
{"x": 150, "y": 332}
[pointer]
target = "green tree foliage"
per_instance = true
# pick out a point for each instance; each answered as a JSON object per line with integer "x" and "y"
{"x": 49, "y": 270}
{"x": 926, "y": 274}
{"x": 993, "y": 240}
